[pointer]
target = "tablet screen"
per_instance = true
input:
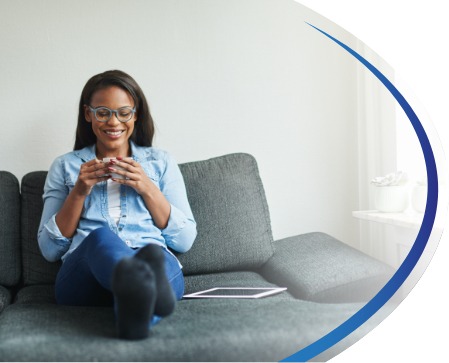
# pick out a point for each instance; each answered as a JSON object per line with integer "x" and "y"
{"x": 237, "y": 292}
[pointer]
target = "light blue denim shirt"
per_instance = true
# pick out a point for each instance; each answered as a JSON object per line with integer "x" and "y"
{"x": 135, "y": 227}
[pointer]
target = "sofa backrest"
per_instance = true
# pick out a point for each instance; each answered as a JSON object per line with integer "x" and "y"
{"x": 227, "y": 199}
{"x": 36, "y": 270}
{"x": 10, "y": 264}
{"x": 233, "y": 222}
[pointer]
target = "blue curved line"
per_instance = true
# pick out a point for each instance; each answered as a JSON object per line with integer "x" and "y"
{"x": 417, "y": 249}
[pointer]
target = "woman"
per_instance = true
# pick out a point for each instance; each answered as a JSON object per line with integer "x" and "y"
{"x": 113, "y": 207}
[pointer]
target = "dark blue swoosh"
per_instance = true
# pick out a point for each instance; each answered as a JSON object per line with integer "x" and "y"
{"x": 417, "y": 249}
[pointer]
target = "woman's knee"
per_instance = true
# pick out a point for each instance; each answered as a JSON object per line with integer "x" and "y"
{"x": 100, "y": 236}
{"x": 101, "y": 233}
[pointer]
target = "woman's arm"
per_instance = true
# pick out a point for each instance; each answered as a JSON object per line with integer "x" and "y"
{"x": 69, "y": 215}
{"x": 180, "y": 232}
{"x": 168, "y": 205}
{"x": 62, "y": 210}
{"x": 51, "y": 242}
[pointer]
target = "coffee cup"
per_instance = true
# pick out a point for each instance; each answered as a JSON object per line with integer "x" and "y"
{"x": 115, "y": 175}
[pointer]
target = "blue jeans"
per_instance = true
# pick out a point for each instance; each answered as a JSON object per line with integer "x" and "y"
{"x": 85, "y": 277}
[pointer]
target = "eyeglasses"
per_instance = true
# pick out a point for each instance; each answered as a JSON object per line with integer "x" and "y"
{"x": 104, "y": 114}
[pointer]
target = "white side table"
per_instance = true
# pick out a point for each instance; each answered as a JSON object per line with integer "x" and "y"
{"x": 405, "y": 219}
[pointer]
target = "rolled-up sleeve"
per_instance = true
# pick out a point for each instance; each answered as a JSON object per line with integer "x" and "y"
{"x": 52, "y": 243}
{"x": 180, "y": 232}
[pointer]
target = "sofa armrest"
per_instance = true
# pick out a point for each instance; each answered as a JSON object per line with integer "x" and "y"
{"x": 5, "y": 297}
{"x": 318, "y": 267}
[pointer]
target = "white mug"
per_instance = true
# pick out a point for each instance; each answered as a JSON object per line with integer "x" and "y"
{"x": 115, "y": 175}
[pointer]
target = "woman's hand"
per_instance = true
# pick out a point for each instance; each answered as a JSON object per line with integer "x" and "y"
{"x": 135, "y": 177}
{"x": 91, "y": 173}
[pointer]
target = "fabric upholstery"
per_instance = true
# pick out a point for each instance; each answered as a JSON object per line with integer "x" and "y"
{"x": 268, "y": 329}
{"x": 5, "y": 297}
{"x": 231, "y": 211}
{"x": 36, "y": 294}
{"x": 10, "y": 266}
{"x": 320, "y": 268}
{"x": 45, "y": 294}
{"x": 36, "y": 270}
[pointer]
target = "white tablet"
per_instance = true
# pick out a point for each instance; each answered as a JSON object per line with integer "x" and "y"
{"x": 236, "y": 292}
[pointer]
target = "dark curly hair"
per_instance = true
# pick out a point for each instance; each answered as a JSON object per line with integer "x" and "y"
{"x": 143, "y": 130}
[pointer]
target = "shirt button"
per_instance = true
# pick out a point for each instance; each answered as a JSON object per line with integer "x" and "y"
{"x": 120, "y": 229}
{"x": 124, "y": 216}
{"x": 128, "y": 242}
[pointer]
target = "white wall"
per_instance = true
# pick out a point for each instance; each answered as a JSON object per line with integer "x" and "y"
{"x": 221, "y": 76}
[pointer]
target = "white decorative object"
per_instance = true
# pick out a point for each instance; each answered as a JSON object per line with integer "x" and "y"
{"x": 391, "y": 199}
{"x": 391, "y": 193}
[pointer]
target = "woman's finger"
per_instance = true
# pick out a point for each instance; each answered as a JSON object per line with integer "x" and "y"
{"x": 94, "y": 169}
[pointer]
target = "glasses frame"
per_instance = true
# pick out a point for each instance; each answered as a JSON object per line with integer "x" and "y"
{"x": 94, "y": 110}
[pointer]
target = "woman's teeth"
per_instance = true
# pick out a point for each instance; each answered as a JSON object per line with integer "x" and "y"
{"x": 114, "y": 133}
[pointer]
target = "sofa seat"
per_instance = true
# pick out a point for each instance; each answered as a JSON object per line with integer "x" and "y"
{"x": 266, "y": 329}
{"x": 269, "y": 329}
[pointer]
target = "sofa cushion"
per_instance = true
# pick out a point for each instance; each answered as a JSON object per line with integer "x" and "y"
{"x": 5, "y": 298}
{"x": 268, "y": 329}
{"x": 36, "y": 294}
{"x": 10, "y": 264}
{"x": 320, "y": 268}
{"x": 36, "y": 270}
{"x": 231, "y": 211}
{"x": 45, "y": 294}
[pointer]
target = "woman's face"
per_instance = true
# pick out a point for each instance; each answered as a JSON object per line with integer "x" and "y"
{"x": 113, "y": 135}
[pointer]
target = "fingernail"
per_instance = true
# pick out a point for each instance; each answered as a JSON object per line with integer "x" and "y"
{"x": 119, "y": 158}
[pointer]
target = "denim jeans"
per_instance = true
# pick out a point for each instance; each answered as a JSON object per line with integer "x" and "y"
{"x": 85, "y": 277}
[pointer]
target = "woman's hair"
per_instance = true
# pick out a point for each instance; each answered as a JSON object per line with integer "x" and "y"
{"x": 144, "y": 126}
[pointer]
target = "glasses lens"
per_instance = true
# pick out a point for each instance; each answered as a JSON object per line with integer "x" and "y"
{"x": 103, "y": 114}
{"x": 124, "y": 114}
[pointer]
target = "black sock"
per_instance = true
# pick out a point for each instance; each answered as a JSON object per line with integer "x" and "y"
{"x": 134, "y": 288}
{"x": 166, "y": 299}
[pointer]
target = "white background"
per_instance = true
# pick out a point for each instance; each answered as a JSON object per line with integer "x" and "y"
{"x": 412, "y": 37}
{"x": 221, "y": 76}
{"x": 409, "y": 35}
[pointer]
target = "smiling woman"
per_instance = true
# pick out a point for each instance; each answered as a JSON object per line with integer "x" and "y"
{"x": 112, "y": 134}
{"x": 126, "y": 93}
{"x": 115, "y": 249}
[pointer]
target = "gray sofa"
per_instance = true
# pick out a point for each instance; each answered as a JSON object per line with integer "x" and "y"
{"x": 327, "y": 281}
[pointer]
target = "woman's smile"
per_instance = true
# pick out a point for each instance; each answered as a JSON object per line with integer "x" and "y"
{"x": 114, "y": 134}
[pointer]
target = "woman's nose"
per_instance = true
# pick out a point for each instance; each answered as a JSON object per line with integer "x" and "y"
{"x": 113, "y": 120}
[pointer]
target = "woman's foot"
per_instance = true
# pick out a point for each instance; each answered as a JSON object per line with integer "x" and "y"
{"x": 134, "y": 288}
{"x": 154, "y": 256}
